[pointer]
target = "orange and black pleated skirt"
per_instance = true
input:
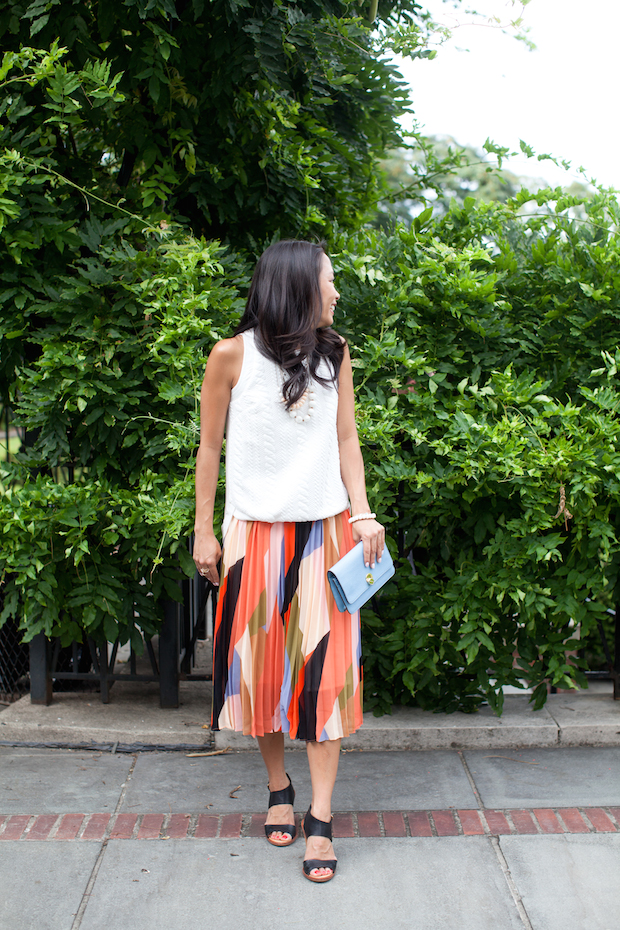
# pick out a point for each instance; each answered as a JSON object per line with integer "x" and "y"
{"x": 285, "y": 658}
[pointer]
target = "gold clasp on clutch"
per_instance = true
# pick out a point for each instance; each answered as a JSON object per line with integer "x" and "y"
{"x": 369, "y": 579}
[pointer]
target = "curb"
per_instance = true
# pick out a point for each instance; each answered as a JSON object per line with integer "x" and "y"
{"x": 566, "y": 720}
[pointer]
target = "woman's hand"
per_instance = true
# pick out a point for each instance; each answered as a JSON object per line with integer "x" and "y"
{"x": 372, "y": 534}
{"x": 207, "y": 553}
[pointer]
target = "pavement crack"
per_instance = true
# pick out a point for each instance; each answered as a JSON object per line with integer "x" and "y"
{"x": 79, "y": 916}
{"x": 77, "y": 921}
{"x": 470, "y": 779}
{"x": 125, "y": 785}
{"x": 514, "y": 891}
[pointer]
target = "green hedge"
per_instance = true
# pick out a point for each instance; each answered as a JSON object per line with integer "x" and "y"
{"x": 110, "y": 403}
{"x": 485, "y": 356}
{"x": 487, "y": 381}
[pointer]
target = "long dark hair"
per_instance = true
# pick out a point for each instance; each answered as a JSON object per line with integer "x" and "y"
{"x": 284, "y": 306}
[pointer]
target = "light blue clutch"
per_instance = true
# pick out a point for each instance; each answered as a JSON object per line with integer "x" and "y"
{"x": 352, "y": 583}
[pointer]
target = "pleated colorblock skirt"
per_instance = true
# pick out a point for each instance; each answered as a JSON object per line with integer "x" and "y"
{"x": 285, "y": 658}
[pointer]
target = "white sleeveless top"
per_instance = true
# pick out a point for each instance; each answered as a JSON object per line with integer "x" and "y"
{"x": 280, "y": 465}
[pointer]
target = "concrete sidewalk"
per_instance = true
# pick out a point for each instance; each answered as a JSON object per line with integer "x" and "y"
{"x": 469, "y": 822}
{"x": 464, "y": 840}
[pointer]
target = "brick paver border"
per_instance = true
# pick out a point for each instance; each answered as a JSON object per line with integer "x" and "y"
{"x": 436, "y": 823}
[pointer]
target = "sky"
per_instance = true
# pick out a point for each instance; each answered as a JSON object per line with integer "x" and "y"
{"x": 560, "y": 98}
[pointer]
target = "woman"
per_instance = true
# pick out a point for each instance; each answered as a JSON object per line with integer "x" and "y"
{"x": 285, "y": 658}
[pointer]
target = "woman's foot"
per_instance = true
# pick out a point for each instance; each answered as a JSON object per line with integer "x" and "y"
{"x": 281, "y": 815}
{"x": 319, "y": 849}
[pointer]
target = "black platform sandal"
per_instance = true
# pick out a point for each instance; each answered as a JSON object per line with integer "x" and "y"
{"x": 283, "y": 796}
{"x": 313, "y": 827}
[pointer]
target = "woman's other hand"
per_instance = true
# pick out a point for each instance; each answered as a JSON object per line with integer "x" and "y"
{"x": 207, "y": 553}
{"x": 372, "y": 534}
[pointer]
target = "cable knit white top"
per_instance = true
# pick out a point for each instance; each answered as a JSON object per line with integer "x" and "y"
{"x": 280, "y": 465}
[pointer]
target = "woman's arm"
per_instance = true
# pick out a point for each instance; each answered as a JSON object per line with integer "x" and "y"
{"x": 221, "y": 375}
{"x": 352, "y": 467}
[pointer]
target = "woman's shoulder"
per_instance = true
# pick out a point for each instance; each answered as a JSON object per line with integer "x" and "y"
{"x": 226, "y": 357}
{"x": 227, "y": 350}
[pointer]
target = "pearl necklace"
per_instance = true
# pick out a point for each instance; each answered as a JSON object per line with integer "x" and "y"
{"x": 308, "y": 397}
{"x": 306, "y": 400}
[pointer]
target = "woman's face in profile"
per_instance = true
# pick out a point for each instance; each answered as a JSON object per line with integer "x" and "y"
{"x": 329, "y": 294}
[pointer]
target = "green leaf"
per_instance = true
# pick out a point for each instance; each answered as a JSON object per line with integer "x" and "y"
{"x": 187, "y": 563}
{"x": 154, "y": 88}
{"x": 38, "y": 24}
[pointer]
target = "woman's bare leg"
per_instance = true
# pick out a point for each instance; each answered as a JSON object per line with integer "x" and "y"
{"x": 323, "y": 761}
{"x": 272, "y": 750}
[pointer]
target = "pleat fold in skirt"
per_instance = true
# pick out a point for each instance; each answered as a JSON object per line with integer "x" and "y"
{"x": 285, "y": 658}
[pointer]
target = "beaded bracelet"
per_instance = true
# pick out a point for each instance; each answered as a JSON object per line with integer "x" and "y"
{"x": 362, "y": 516}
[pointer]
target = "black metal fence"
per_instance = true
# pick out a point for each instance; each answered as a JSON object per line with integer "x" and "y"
{"x": 171, "y": 656}
{"x": 44, "y": 666}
